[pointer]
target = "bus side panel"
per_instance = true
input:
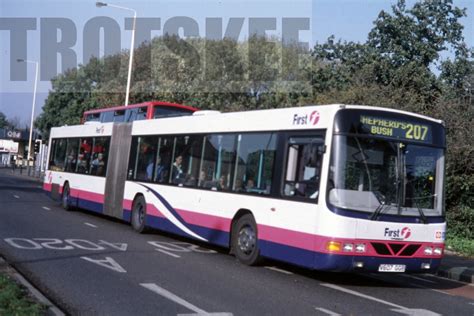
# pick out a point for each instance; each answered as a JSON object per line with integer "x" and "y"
{"x": 179, "y": 214}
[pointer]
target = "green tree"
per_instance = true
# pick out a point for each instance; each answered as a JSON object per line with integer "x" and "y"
{"x": 3, "y": 120}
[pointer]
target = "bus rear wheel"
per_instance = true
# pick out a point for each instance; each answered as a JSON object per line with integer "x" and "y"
{"x": 139, "y": 214}
{"x": 66, "y": 198}
{"x": 245, "y": 241}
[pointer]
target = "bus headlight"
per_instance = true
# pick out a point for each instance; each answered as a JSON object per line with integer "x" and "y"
{"x": 438, "y": 251}
{"x": 360, "y": 247}
{"x": 428, "y": 251}
{"x": 348, "y": 247}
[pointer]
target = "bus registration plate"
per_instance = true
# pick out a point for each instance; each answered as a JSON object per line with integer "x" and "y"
{"x": 392, "y": 268}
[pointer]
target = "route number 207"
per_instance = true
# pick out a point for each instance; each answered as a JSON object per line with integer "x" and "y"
{"x": 417, "y": 132}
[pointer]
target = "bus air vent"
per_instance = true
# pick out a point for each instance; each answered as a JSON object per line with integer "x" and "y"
{"x": 410, "y": 250}
{"x": 381, "y": 248}
{"x": 396, "y": 248}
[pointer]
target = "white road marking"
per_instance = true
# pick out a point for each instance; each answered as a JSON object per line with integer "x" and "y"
{"x": 397, "y": 309}
{"x": 378, "y": 277}
{"x": 168, "y": 253}
{"x": 108, "y": 263}
{"x": 91, "y": 225}
{"x": 428, "y": 288}
{"x": 417, "y": 312}
{"x": 417, "y": 278}
{"x": 167, "y": 294}
{"x": 16, "y": 196}
{"x": 278, "y": 270}
{"x": 46, "y": 208}
{"x": 115, "y": 245}
{"x": 327, "y": 312}
{"x": 450, "y": 280}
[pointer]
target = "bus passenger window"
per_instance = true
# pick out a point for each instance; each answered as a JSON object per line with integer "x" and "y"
{"x": 303, "y": 168}
{"x": 143, "y": 162}
{"x": 254, "y": 163}
{"x": 187, "y": 160}
{"x": 99, "y": 156}
{"x": 71, "y": 154}
{"x": 107, "y": 116}
{"x": 218, "y": 160}
{"x": 58, "y": 155}
{"x": 141, "y": 114}
{"x": 83, "y": 159}
{"x": 131, "y": 114}
{"x": 119, "y": 116}
{"x": 163, "y": 159}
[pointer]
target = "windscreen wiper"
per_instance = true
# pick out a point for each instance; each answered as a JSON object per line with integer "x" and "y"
{"x": 377, "y": 211}
{"x": 424, "y": 220}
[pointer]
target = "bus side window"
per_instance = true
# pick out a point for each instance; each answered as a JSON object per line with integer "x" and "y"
{"x": 59, "y": 155}
{"x": 217, "y": 168}
{"x": 163, "y": 159}
{"x": 303, "y": 168}
{"x": 71, "y": 154}
{"x": 145, "y": 164}
{"x": 141, "y": 113}
{"x": 131, "y": 115}
{"x": 107, "y": 116}
{"x": 100, "y": 156}
{"x": 254, "y": 163}
{"x": 52, "y": 165}
{"x": 119, "y": 116}
{"x": 84, "y": 156}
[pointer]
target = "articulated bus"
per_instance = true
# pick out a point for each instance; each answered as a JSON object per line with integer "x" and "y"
{"x": 136, "y": 112}
{"x": 329, "y": 187}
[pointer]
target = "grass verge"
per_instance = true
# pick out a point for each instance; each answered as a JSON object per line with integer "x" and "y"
{"x": 462, "y": 246}
{"x": 14, "y": 299}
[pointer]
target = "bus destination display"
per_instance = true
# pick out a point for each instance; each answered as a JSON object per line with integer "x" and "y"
{"x": 396, "y": 128}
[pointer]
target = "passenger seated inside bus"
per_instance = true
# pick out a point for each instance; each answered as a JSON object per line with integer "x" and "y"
{"x": 222, "y": 184}
{"x": 250, "y": 186}
{"x": 202, "y": 178}
{"x": 238, "y": 186}
{"x": 177, "y": 175}
{"x": 71, "y": 161}
{"x": 98, "y": 165}
{"x": 159, "y": 171}
{"x": 82, "y": 160}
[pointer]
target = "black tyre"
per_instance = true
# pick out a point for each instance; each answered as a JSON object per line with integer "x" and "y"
{"x": 66, "y": 198}
{"x": 139, "y": 214}
{"x": 245, "y": 241}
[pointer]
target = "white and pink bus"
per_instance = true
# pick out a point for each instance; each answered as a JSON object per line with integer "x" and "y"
{"x": 330, "y": 187}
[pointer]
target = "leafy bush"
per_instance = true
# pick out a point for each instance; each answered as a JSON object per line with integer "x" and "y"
{"x": 460, "y": 221}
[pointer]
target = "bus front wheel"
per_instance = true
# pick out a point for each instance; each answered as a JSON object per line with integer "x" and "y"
{"x": 245, "y": 241}
{"x": 139, "y": 214}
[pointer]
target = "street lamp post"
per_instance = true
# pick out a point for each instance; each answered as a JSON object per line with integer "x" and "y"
{"x": 132, "y": 45}
{"x": 34, "y": 102}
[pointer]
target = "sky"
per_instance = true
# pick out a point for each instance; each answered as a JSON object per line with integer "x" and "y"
{"x": 349, "y": 20}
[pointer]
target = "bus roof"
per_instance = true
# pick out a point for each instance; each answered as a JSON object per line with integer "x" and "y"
{"x": 295, "y": 118}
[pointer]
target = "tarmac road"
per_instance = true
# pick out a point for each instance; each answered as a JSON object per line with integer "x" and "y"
{"x": 89, "y": 264}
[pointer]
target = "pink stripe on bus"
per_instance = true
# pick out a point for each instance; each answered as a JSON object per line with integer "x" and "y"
{"x": 205, "y": 220}
{"x": 90, "y": 196}
{"x": 286, "y": 237}
{"x": 47, "y": 187}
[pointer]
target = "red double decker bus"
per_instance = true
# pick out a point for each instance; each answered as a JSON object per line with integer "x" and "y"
{"x": 135, "y": 112}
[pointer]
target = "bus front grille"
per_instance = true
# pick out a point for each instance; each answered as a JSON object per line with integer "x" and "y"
{"x": 395, "y": 249}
